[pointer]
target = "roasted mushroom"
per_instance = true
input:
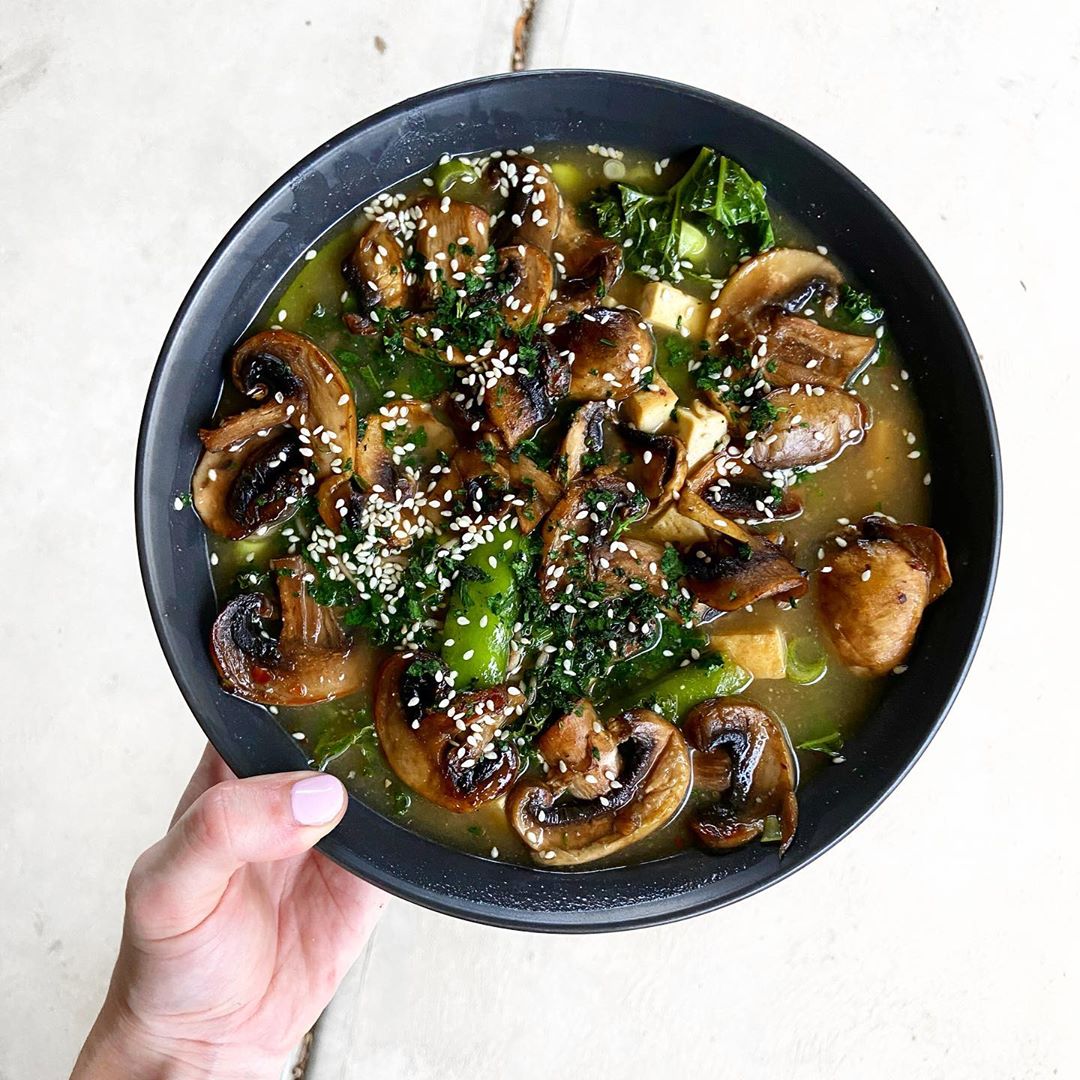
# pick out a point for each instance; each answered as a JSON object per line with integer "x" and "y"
{"x": 492, "y": 485}
{"x": 525, "y": 275}
{"x": 758, "y": 303}
{"x": 534, "y": 205}
{"x": 446, "y": 746}
{"x": 397, "y": 482}
{"x": 583, "y": 443}
{"x": 877, "y": 585}
{"x": 609, "y": 351}
{"x": 296, "y": 382}
{"x": 806, "y": 353}
{"x": 310, "y": 660}
{"x": 451, "y": 238}
{"x": 525, "y": 396}
{"x": 590, "y": 267}
{"x": 587, "y": 517}
{"x": 649, "y": 780}
{"x": 242, "y": 492}
{"x": 809, "y": 429}
{"x": 580, "y": 752}
{"x": 654, "y": 463}
{"x": 376, "y": 270}
{"x": 742, "y": 751}
{"x": 723, "y": 492}
{"x": 781, "y": 278}
{"x": 729, "y": 574}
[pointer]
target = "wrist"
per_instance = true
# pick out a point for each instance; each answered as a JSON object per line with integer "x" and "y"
{"x": 118, "y": 1046}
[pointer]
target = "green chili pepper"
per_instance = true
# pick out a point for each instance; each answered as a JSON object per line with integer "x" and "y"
{"x": 483, "y": 609}
{"x": 806, "y": 661}
{"x": 674, "y": 645}
{"x": 676, "y": 693}
{"x": 451, "y": 172}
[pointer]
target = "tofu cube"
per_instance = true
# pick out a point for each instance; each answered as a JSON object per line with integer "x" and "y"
{"x": 761, "y": 652}
{"x": 649, "y": 409}
{"x": 671, "y": 527}
{"x": 665, "y": 306}
{"x": 701, "y": 429}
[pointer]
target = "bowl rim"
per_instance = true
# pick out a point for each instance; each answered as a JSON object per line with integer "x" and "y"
{"x": 602, "y": 919}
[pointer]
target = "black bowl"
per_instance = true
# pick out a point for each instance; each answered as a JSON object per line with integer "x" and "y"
{"x": 663, "y": 118}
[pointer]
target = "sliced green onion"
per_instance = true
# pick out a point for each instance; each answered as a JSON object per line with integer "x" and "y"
{"x": 806, "y": 661}
{"x": 830, "y": 744}
{"x": 772, "y": 833}
{"x": 452, "y": 172}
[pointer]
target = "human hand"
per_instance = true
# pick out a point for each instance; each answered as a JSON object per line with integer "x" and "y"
{"x": 236, "y": 933}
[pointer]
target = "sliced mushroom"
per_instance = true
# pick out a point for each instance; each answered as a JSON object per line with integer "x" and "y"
{"x": 609, "y": 350}
{"x": 399, "y": 472}
{"x": 740, "y": 738}
{"x": 656, "y": 465}
{"x": 872, "y": 599}
{"x": 584, "y": 440}
{"x": 400, "y": 442}
{"x": 493, "y": 485}
{"x": 376, "y": 270}
{"x": 809, "y": 429}
{"x": 241, "y": 492}
{"x": 296, "y": 381}
{"x": 446, "y": 747}
{"x": 801, "y": 351}
{"x": 590, "y": 267}
{"x": 534, "y": 205}
{"x": 451, "y": 238}
{"x": 310, "y": 660}
{"x": 525, "y": 273}
{"x": 580, "y": 753}
{"x": 785, "y": 278}
{"x": 724, "y": 491}
{"x": 651, "y": 784}
{"x": 524, "y": 398}
{"x": 728, "y": 574}
{"x": 588, "y": 516}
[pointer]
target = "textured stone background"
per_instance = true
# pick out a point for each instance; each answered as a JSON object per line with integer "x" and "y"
{"x": 939, "y": 940}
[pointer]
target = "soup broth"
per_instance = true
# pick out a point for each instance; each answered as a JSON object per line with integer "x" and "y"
{"x": 885, "y": 471}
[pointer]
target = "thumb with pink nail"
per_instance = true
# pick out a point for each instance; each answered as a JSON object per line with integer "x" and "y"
{"x": 236, "y": 934}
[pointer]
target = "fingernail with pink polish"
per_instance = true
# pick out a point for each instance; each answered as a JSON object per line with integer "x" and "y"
{"x": 317, "y": 799}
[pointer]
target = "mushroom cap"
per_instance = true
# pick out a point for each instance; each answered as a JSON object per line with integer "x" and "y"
{"x": 609, "y": 350}
{"x": 653, "y": 781}
{"x": 736, "y": 736}
{"x": 451, "y": 238}
{"x": 802, "y": 351}
{"x": 872, "y": 600}
{"x": 728, "y": 574}
{"x": 785, "y": 278}
{"x": 238, "y": 492}
{"x": 533, "y": 211}
{"x": 456, "y": 769}
{"x": 527, "y": 273}
{"x": 725, "y": 494}
{"x": 520, "y": 402}
{"x": 485, "y": 481}
{"x": 810, "y": 428}
{"x": 581, "y": 753}
{"x": 293, "y": 381}
{"x": 376, "y": 269}
{"x": 310, "y": 660}
{"x": 590, "y": 508}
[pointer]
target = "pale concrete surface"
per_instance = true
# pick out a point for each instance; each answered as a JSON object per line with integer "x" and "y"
{"x": 939, "y": 940}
